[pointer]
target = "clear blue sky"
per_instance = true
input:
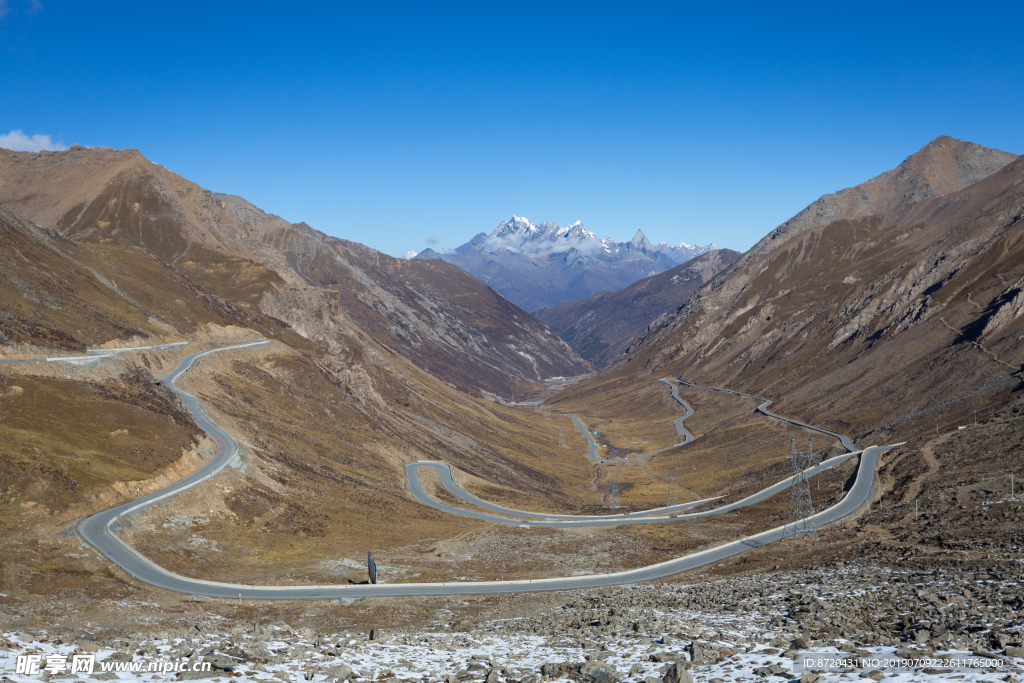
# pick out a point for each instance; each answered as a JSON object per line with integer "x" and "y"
{"x": 389, "y": 123}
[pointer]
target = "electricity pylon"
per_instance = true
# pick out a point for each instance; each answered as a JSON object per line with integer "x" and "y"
{"x": 613, "y": 490}
{"x": 800, "y": 505}
{"x": 670, "y": 482}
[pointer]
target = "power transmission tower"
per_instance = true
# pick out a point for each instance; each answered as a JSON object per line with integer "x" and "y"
{"x": 800, "y": 505}
{"x": 670, "y": 482}
{"x": 613, "y": 490}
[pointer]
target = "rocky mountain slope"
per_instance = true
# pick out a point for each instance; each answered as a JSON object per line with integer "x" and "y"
{"x": 601, "y": 327}
{"x": 59, "y": 294}
{"x": 428, "y": 312}
{"x": 433, "y": 313}
{"x": 541, "y": 266}
{"x": 881, "y": 325}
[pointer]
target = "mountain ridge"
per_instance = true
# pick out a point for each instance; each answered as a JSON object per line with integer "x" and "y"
{"x": 841, "y": 317}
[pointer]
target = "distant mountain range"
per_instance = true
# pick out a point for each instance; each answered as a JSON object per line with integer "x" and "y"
{"x": 541, "y": 266}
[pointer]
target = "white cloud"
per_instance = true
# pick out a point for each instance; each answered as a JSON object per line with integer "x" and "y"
{"x": 433, "y": 239}
{"x": 17, "y": 141}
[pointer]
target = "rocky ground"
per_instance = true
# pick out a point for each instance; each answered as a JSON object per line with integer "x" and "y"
{"x": 740, "y": 628}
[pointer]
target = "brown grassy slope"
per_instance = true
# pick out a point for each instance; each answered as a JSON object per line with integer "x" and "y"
{"x": 57, "y": 293}
{"x": 601, "y": 327}
{"x": 328, "y": 429}
{"x": 435, "y": 314}
{"x": 262, "y": 263}
{"x": 325, "y": 447}
{"x": 883, "y": 325}
{"x": 881, "y": 328}
{"x": 736, "y": 452}
{"x": 71, "y": 448}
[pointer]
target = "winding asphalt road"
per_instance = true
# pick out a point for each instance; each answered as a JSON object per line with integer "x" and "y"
{"x": 150, "y": 573}
{"x": 98, "y": 529}
{"x": 522, "y": 518}
{"x": 763, "y": 408}
{"x": 687, "y": 436}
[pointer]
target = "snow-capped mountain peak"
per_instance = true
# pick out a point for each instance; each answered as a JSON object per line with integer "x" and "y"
{"x": 522, "y": 260}
{"x": 518, "y": 225}
{"x": 577, "y": 231}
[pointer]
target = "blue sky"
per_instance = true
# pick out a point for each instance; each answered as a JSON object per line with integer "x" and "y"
{"x": 390, "y": 123}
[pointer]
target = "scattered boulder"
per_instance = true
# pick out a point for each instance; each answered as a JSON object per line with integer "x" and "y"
{"x": 773, "y": 670}
{"x": 667, "y": 657}
{"x": 597, "y": 671}
{"x": 220, "y": 661}
{"x": 677, "y": 674}
{"x": 340, "y": 673}
{"x": 702, "y": 653}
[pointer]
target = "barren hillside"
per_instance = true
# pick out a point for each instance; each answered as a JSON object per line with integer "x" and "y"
{"x": 475, "y": 339}
{"x": 883, "y": 325}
